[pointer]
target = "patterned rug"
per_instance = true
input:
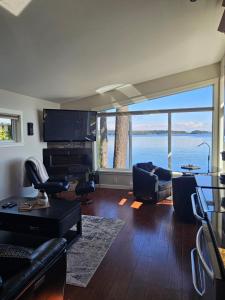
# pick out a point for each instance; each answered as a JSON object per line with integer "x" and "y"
{"x": 86, "y": 254}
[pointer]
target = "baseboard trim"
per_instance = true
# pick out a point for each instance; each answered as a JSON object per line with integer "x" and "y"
{"x": 114, "y": 186}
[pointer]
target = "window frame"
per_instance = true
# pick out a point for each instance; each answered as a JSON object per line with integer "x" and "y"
{"x": 17, "y": 127}
{"x": 215, "y": 109}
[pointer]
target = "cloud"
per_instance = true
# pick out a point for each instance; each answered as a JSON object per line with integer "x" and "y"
{"x": 191, "y": 125}
{"x": 157, "y": 125}
{"x": 151, "y": 126}
{"x": 5, "y": 121}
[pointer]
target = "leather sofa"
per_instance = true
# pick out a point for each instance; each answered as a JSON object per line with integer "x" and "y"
{"x": 42, "y": 278}
{"x": 151, "y": 183}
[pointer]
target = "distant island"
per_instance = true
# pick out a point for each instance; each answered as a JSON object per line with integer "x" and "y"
{"x": 146, "y": 132}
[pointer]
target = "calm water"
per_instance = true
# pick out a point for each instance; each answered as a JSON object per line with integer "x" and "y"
{"x": 153, "y": 147}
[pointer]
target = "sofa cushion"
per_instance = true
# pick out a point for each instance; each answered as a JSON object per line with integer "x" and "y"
{"x": 164, "y": 185}
{"x": 13, "y": 258}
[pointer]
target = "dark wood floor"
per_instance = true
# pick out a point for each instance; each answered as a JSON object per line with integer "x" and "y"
{"x": 150, "y": 258}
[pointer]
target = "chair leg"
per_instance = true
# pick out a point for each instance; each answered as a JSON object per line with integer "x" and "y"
{"x": 84, "y": 199}
{"x": 54, "y": 195}
{"x": 79, "y": 227}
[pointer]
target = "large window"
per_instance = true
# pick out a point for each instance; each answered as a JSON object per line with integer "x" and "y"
{"x": 113, "y": 142}
{"x": 169, "y": 131}
{"x": 150, "y": 139}
{"x": 202, "y": 97}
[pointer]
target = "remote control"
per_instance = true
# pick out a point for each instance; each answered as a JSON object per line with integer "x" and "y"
{"x": 9, "y": 205}
{"x": 12, "y": 204}
{"x": 5, "y": 205}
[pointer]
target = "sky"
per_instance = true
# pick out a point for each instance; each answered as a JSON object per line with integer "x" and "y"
{"x": 5, "y": 121}
{"x": 201, "y": 97}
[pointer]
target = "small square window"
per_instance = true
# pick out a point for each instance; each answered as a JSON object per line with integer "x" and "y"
{"x": 6, "y": 129}
{"x": 10, "y": 128}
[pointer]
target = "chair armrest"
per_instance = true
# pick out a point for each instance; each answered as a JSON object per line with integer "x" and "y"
{"x": 163, "y": 173}
{"x": 49, "y": 250}
{"x": 148, "y": 176}
{"x": 50, "y": 184}
{"x": 144, "y": 180}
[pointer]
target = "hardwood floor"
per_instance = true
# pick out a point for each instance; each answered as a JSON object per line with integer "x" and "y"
{"x": 150, "y": 258}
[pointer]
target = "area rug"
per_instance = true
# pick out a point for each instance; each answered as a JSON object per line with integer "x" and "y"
{"x": 86, "y": 254}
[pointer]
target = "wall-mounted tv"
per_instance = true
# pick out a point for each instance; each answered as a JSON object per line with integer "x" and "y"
{"x": 69, "y": 125}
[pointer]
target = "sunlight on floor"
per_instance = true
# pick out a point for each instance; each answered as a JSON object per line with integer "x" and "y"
{"x": 136, "y": 204}
{"x": 55, "y": 297}
{"x": 165, "y": 202}
{"x": 122, "y": 201}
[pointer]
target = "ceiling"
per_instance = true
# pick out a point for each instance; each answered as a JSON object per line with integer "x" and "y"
{"x": 64, "y": 50}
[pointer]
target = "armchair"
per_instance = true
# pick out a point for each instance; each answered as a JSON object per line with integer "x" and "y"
{"x": 51, "y": 186}
{"x": 151, "y": 183}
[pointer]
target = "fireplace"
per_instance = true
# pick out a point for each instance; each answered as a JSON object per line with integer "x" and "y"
{"x": 68, "y": 163}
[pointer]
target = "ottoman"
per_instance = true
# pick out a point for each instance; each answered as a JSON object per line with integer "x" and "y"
{"x": 83, "y": 189}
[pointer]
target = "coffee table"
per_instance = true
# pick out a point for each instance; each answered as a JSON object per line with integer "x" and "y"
{"x": 54, "y": 221}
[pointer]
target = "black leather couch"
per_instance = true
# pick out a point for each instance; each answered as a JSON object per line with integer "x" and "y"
{"x": 42, "y": 278}
{"x": 151, "y": 183}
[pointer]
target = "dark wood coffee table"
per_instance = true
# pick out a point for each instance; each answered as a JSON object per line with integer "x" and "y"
{"x": 55, "y": 221}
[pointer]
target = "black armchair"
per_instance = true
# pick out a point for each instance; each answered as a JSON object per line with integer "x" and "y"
{"x": 51, "y": 186}
{"x": 183, "y": 188}
{"x": 151, "y": 183}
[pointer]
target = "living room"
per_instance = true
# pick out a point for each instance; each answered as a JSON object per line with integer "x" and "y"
{"x": 152, "y": 75}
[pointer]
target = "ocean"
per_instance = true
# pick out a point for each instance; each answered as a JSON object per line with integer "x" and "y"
{"x": 154, "y": 147}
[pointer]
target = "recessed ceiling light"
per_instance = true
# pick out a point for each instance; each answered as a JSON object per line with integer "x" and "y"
{"x": 15, "y": 7}
{"x": 108, "y": 88}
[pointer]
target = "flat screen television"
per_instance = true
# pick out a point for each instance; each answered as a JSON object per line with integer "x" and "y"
{"x": 69, "y": 125}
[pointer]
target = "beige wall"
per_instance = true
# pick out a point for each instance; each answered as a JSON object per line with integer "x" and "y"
{"x": 222, "y": 101}
{"x": 12, "y": 157}
{"x": 148, "y": 89}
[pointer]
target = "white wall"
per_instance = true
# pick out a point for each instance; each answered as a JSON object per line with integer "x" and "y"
{"x": 222, "y": 101}
{"x": 12, "y": 157}
{"x": 115, "y": 179}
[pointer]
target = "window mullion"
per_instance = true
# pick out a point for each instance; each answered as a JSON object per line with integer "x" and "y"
{"x": 130, "y": 142}
{"x": 169, "y": 141}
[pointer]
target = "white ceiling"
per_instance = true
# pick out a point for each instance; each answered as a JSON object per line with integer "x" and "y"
{"x": 64, "y": 50}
